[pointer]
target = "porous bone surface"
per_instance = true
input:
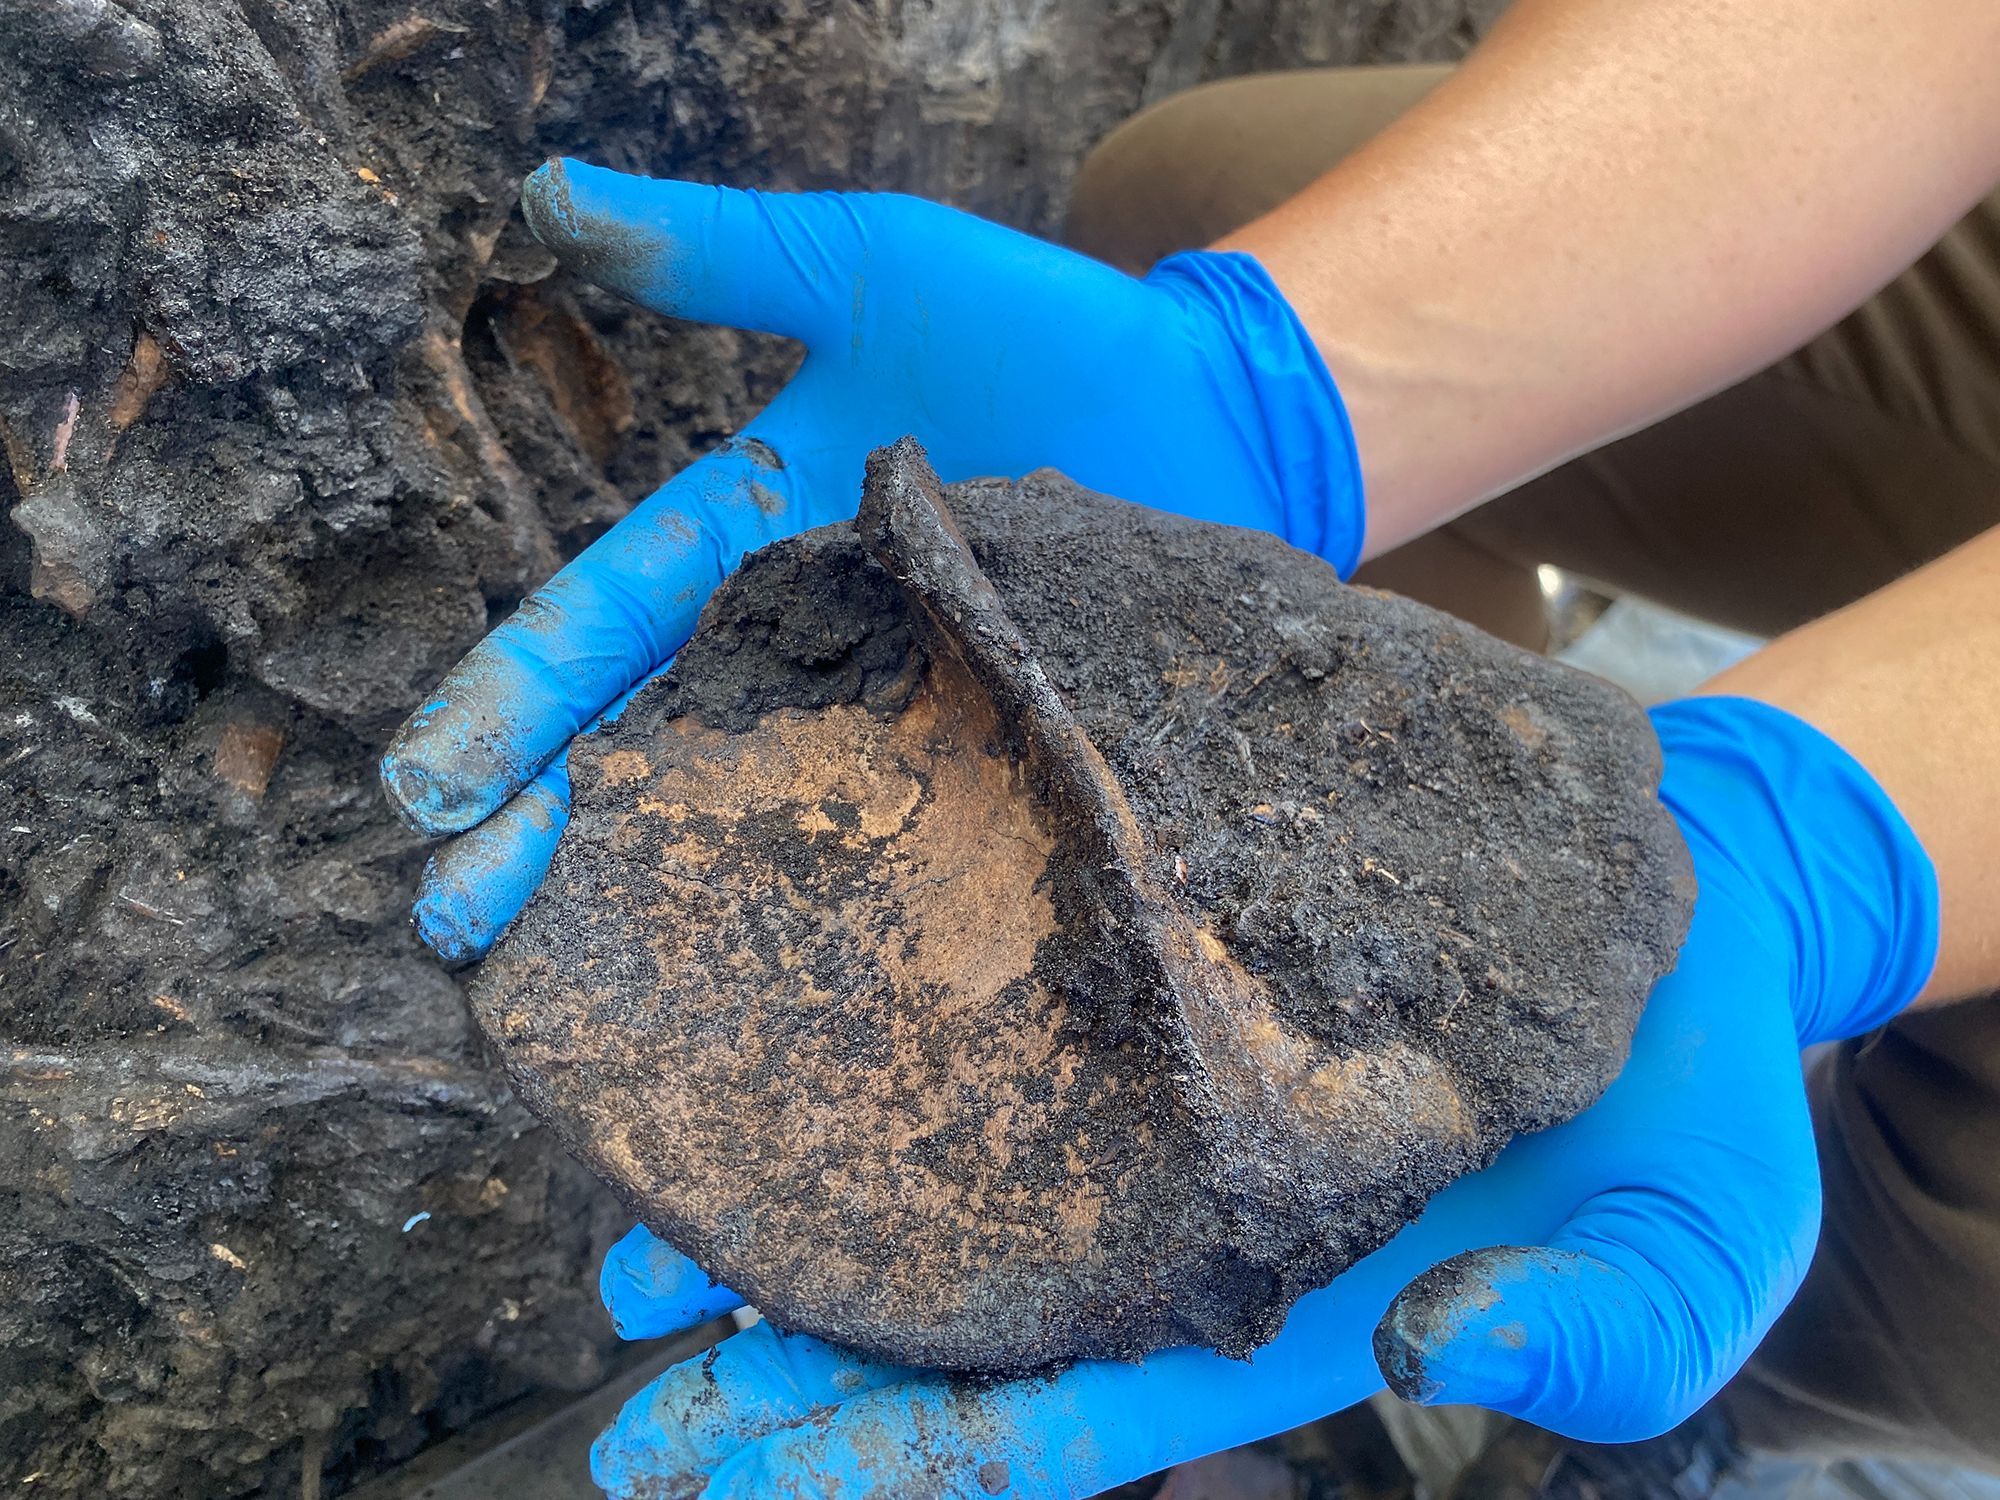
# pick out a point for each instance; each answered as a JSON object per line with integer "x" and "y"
{"x": 1025, "y": 925}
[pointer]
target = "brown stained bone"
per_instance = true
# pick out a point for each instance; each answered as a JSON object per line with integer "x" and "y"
{"x": 246, "y": 754}
{"x": 397, "y": 41}
{"x": 584, "y": 384}
{"x": 138, "y": 383}
{"x": 1025, "y": 926}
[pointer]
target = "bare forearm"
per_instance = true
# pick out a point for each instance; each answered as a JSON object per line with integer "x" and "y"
{"x": 1906, "y": 681}
{"x": 1616, "y": 207}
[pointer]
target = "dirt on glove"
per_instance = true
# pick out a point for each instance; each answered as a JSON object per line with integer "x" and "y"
{"x": 1025, "y": 926}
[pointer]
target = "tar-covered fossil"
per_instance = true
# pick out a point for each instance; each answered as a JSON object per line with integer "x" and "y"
{"x": 1025, "y": 925}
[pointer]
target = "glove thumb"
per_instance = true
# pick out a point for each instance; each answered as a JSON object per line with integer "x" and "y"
{"x": 1604, "y": 1345}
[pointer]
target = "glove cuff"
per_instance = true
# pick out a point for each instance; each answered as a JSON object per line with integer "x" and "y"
{"x": 1307, "y": 440}
{"x": 1768, "y": 801}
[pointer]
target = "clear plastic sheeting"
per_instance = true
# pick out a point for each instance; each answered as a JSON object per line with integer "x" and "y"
{"x": 1653, "y": 652}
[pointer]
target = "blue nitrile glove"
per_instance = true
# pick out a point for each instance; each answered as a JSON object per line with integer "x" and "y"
{"x": 1196, "y": 390}
{"x": 1673, "y": 1220}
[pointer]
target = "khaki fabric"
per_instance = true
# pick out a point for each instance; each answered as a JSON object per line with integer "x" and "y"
{"x": 1865, "y": 454}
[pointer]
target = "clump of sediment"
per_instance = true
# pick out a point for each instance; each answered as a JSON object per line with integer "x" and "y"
{"x": 1024, "y": 925}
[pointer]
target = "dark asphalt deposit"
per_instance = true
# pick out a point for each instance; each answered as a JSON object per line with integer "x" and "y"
{"x": 1027, "y": 926}
{"x": 293, "y": 409}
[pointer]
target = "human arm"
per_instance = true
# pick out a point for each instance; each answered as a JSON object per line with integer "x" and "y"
{"x": 1908, "y": 680}
{"x": 1616, "y": 207}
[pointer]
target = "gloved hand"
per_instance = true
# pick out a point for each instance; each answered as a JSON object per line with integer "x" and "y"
{"x": 1649, "y": 1242}
{"x": 1196, "y": 390}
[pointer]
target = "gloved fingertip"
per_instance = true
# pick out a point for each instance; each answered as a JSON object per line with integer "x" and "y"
{"x": 607, "y": 1465}
{"x": 1451, "y": 1337}
{"x": 602, "y": 224}
{"x": 448, "y": 924}
{"x": 435, "y": 802}
{"x": 633, "y": 1457}
{"x": 477, "y": 884}
{"x": 415, "y": 794}
{"x": 546, "y": 203}
{"x": 651, "y": 1289}
{"x": 1401, "y": 1352}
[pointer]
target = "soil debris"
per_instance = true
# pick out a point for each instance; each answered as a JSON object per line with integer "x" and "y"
{"x": 305, "y": 525}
